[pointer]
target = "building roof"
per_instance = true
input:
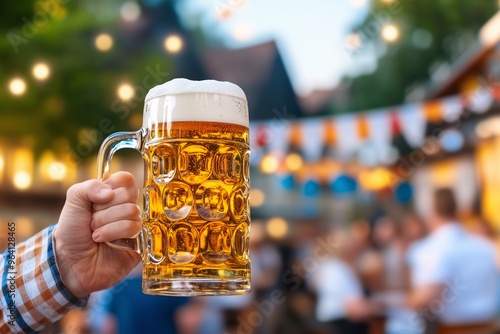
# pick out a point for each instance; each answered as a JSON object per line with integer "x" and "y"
{"x": 471, "y": 61}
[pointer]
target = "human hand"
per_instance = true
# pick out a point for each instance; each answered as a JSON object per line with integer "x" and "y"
{"x": 359, "y": 309}
{"x": 95, "y": 212}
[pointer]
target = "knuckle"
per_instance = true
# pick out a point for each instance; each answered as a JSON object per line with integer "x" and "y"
{"x": 71, "y": 193}
{"x": 132, "y": 194}
{"x": 132, "y": 210}
{"x": 127, "y": 178}
{"x": 137, "y": 211}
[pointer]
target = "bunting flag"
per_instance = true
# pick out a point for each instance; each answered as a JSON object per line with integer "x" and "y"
{"x": 258, "y": 142}
{"x": 380, "y": 129}
{"x": 313, "y": 134}
{"x": 496, "y": 91}
{"x": 349, "y": 136}
{"x": 481, "y": 100}
{"x": 433, "y": 111}
{"x": 452, "y": 109}
{"x": 278, "y": 138}
{"x": 348, "y": 141}
{"x": 413, "y": 124}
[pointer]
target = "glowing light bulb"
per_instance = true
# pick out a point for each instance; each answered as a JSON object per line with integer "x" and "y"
{"x": 173, "y": 43}
{"x": 57, "y": 171}
{"x": 125, "y": 92}
{"x": 293, "y": 162}
{"x": 277, "y": 227}
{"x": 103, "y": 42}
{"x": 390, "y": 33}
{"x": 22, "y": 180}
{"x": 41, "y": 71}
{"x": 17, "y": 86}
{"x": 269, "y": 164}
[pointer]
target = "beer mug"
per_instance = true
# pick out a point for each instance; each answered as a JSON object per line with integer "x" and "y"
{"x": 196, "y": 216}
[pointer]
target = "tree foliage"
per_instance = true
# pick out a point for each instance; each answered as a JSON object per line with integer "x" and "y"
{"x": 431, "y": 33}
{"x": 81, "y": 90}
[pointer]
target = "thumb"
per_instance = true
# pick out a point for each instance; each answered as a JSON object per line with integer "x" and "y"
{"x": 89, "y": 192}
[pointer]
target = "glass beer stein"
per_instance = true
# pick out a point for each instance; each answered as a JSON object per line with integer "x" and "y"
{"x": 195, "y": 146}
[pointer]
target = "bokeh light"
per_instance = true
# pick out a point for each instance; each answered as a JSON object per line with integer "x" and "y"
{"x": 173, "y": 43}
{"x": 41, "y": 71}
{"x": 125, "y": 92}
{"x": 488, "y": 128}
{"x": 269, "y": 164}
{"x": 22, "y": 180}
{"x": 277, "y": 227}
{"x": 376, "y": 179}
{"x": 293, "y": 162}
{"x": 257, "y": 197}
{"x": 103, "y": 42}
{"x": 130, "y": 11}
{"x": 17, "y": 86}
{"x": 390, "y": 33}
{"x": 57, "y": 171}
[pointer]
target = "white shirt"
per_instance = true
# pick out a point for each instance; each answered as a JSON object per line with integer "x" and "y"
{"x": 334, "y": 283}
{"x": 465, "y": 265}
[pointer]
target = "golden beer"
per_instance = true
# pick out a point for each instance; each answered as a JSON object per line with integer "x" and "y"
{"x": 196, "y": 220}
{"x": 196, "y": 210}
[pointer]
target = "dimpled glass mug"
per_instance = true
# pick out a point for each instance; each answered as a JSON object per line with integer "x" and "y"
{"x": 196, "y": 221}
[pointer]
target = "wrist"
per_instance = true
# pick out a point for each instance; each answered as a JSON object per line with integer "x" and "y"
{"x": 68, "y": 277}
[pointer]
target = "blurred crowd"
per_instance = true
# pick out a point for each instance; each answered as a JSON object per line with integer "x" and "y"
{"x": 410, "y": 274}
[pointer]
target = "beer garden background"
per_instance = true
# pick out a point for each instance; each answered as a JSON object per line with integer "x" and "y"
{"x": 74, "y": 72}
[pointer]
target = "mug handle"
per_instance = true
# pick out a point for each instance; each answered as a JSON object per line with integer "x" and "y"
{"x": 109, "y": 146}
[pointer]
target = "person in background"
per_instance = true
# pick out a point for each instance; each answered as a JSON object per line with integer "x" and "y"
{"x": 55, "y": 270}
{"x": 453, "y": 274}
{"x": 482, "y": 228}
{"x": 392, "y": 240}
{"x": 128, "y": 310}
{"x": 341, "y": 304}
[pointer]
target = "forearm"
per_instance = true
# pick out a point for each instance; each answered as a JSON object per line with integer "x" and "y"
{"x": 421, "y": 297}
{"x": 33, "y": 295}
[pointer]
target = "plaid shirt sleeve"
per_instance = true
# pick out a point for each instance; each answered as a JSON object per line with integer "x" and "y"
{"x": 33, "y": 294}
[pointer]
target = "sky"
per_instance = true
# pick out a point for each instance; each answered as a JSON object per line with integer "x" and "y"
{"x": 309, "y": 34}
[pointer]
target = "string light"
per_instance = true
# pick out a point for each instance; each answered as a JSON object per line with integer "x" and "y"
{"x": 103, "y": 42}
{"x": 293, "y": 162}
{"x": 23, "y": 163}
{"x": 125, "y": 92}
{"x": 17, "y": 86}
{"x": 173, "y": 43}
{"x": 376, "y": 179}
{"x": 57, "y": 171}
{"x": 390, "y": 33}
{"x": 269, "y": 164}
{"x": 277, "y": 227}
{"x": 41, "y": 71}
{"x": 22, "y": 180}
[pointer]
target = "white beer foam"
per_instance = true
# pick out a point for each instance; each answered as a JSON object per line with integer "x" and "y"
{"x": 182, "y": 86}
{"x": 205, "y": 101}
